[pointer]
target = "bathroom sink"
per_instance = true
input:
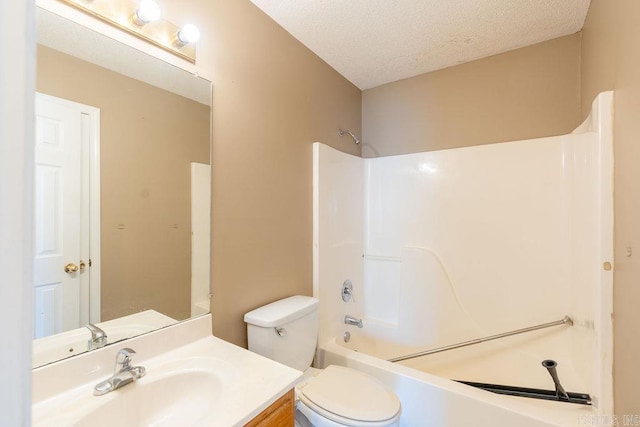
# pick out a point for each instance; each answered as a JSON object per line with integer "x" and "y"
{"x": 179, "y": 399}
{"x": 180, "y": 392}
{"x": 192, "y": 379}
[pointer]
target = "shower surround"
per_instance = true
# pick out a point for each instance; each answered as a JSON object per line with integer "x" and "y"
{"x": 453, "y": 245}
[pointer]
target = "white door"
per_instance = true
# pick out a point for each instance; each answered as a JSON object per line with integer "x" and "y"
{"x": 61, "y": 273}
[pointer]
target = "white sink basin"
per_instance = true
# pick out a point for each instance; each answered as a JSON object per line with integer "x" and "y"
{"x": 190, "y": 380}
{"x": 181, "y": 399}
{"x": 179, "y": 393}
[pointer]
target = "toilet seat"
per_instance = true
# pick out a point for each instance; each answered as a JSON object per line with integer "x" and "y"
{"x": 350, "y": 397}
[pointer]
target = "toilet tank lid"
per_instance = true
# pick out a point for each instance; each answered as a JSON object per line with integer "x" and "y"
{"x": 282, "y": 311}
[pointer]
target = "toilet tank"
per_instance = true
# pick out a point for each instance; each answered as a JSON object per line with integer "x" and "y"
{"x": 285, "y": 331}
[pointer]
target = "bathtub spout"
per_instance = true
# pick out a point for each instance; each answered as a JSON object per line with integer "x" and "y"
{"x": 551, "y": 367}
{"x": 350, "y": 320}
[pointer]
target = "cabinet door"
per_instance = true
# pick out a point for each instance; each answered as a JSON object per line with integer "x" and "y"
{"x": 279, "y": 414}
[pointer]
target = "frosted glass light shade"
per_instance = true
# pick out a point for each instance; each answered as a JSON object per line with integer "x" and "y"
{"x": 189, "y": 34}
{"x": 148, "y": 11}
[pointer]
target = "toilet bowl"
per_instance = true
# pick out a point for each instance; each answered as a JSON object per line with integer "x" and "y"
{"x": 341, "y": 396}
{"x": 286, "y": 331}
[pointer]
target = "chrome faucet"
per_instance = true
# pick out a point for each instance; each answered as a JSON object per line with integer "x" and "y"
{"x": 98, "y": 337}
{"x": 350, "y": 320}
{"x": 123, "y": 373}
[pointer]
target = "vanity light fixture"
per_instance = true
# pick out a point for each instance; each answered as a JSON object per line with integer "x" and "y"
{"x": 142, "y": 19}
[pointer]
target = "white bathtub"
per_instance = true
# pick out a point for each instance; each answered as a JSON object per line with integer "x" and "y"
{"x": 431, "y": 400}
{"x": 447, "y": 246}
{"x": 515, "y": 360}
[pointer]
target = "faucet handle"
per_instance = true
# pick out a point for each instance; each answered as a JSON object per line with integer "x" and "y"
{"x": 98, "y": 337}
{"x": 123, "y": 358}
{"x": 347, "y": 291}
{"x": 96, "y": 332}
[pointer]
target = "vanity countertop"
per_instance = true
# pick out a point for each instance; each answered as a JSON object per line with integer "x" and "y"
{"x": 230, "y": 385}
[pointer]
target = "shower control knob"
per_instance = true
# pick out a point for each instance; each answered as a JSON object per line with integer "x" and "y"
{"x": 347, "y": 291}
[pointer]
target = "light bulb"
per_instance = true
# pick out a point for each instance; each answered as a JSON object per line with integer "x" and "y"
{"x": 147, "y": 11}
{"x": 189, "y": 34}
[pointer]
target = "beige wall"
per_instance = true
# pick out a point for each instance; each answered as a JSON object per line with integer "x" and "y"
{"x": 272, "y": 99}
{"x": 526, "y": 93}
{"x": 611, "y": 60}
{"x": 148, "y": 139}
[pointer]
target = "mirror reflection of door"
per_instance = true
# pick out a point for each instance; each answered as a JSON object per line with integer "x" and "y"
{"x": 200, "y": 237}
{"x": 64, "y": 288}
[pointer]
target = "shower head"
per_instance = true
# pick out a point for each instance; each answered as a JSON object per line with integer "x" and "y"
{"x": 342, "y": 133}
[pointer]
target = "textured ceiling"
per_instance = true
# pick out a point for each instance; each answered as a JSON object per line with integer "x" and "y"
{"x": 372, "y": 42}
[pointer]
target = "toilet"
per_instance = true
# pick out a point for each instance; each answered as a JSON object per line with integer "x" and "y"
{"x": 287, "y": 331}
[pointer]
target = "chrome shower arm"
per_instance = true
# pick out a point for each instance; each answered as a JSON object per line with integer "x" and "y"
{"x": 342, "y": 133}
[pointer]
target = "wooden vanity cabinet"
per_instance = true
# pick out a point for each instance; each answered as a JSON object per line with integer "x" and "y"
{"x": 280, "y": 414}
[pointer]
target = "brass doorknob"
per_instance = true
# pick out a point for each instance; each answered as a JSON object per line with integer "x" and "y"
{"x": 82, "y": 265}
{"x": 70, "y": 268}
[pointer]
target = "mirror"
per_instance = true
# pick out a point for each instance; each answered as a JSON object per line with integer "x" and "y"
{"x": 122, "y": 191}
